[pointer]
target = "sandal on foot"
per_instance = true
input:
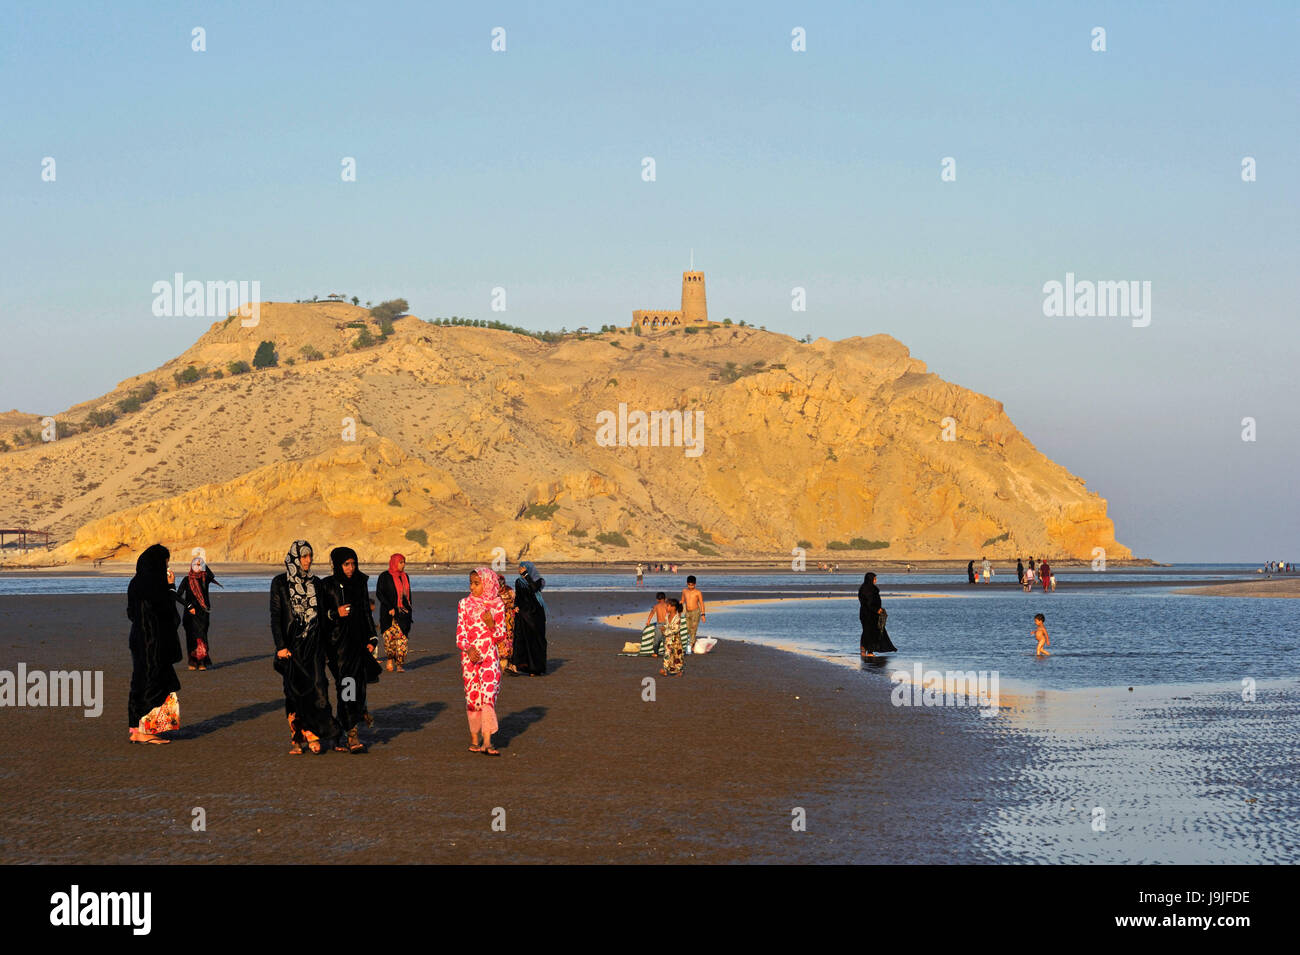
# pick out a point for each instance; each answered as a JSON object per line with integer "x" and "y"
{"x": 476, "y": 749}
{"x": 490, "y": 752}
{"x": 354, "y": 742}
{"x": 295, "y": 748}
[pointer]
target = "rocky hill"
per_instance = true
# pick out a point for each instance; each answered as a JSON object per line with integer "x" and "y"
{"x": 448, "y": 442}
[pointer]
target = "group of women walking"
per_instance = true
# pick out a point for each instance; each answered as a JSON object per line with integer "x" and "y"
{"x": 324, "y": 632}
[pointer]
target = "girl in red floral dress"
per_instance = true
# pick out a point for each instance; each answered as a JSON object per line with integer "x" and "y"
{"x": 480, "y": 625}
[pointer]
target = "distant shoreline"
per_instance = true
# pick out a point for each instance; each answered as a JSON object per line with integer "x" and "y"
{"x": 774, "y": 566}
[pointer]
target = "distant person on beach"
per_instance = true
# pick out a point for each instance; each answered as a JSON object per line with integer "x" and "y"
{"x": 640, "y": 576}
{"x": 692, "y": 600}
{"x": 1040, "y": 634}
{"x": 393, "y": 589}
{"x": 871, "y": 614}
{"x": 1027, "y": 583}
{"x": 659, "y": 616}
{"x": 349, "y": 640}
{"x": 970, "y": 572}
{"x": 506, "y": 645}
{"x": 1020, "y": 571}
{"x": 197, "y": 612}
{"x": 674, "y": 659}
{"x": 480, "y": 619}
{"x": 1044, "y": 574}
{"x": 153, "y": 705}
{"x": 987, "y": 570}
{"x": 296, "y": 628}
{"x": 529, "y": 655}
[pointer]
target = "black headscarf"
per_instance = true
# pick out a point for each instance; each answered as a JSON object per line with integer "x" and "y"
{"x": 355, "y": 586}
{"x": 339, "y": 556}
{"x": 150, "y": 602}
{"x": 150, "y": 580}
{"x": 533, "y": 580}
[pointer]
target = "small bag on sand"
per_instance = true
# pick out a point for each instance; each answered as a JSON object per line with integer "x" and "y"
{"x": 632, "y": 647}
{"x": 705, "y": 644}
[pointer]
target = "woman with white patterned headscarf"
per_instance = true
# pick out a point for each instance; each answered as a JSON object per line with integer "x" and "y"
{"x": 300, "y": 650}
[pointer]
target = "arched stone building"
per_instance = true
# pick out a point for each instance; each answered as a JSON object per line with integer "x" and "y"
{"x": 694, "y": 310}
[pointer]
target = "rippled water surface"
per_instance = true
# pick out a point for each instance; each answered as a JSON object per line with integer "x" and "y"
{"x": 1183, "y": 768}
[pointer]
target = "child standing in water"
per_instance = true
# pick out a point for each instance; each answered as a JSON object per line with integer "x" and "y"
{"x": 1040, "y": 634}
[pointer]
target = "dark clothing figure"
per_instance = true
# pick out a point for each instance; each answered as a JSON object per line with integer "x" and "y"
{"x": 529, "y": 652}
{"x": 970, "y": 572}
{"x": 875, "y": 638}
{"x": 1020, "y": 571}
{"x": 393, "y": 591}
{"x": 155, "y": 646}
{"x": 351, "y": 638}
{"x": 296, "y": 625}
{"x": 196, "y": 614}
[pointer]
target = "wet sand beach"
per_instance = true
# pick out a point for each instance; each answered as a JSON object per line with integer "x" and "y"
{"x": 1271, "y": 587}
{"x": 710, "y": 771}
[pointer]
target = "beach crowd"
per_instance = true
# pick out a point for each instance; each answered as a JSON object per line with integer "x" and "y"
{"x": 324, "y": 633}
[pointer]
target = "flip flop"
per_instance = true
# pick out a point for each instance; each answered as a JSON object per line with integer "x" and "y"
{"x": 490, "y": 752}
{"x": 476, "y": 749}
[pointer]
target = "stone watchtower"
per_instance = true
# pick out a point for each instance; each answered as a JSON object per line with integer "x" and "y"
{"x": 695, "y": 311}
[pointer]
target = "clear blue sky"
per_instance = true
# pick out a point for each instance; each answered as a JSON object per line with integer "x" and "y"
{"x": 818, "y": 169}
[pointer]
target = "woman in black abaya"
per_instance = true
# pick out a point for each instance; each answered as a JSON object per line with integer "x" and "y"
{"x": 352, "y": 638}
{"x": 875, "y": 638}
{"x": 153, "y": 706}
{"x": 192, "y": 592}
{"x": 529, "y": 652}
{"x": 296, "y": 627}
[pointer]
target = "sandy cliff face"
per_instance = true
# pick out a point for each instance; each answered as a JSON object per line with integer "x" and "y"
{"x": 445, "y": 443}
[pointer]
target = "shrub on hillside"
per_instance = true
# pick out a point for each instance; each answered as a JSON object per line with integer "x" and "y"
{"x": 188, "y": 376}
{"x": 265, "y": 357}
{"x": 101, "y": 418}
{"x": 858, "y": 543}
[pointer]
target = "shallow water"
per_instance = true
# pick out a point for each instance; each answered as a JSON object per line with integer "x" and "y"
{"x": 1182, "y": 768}
{"x": 1187, "y": 775}
{"x": 1106, "y": 638}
